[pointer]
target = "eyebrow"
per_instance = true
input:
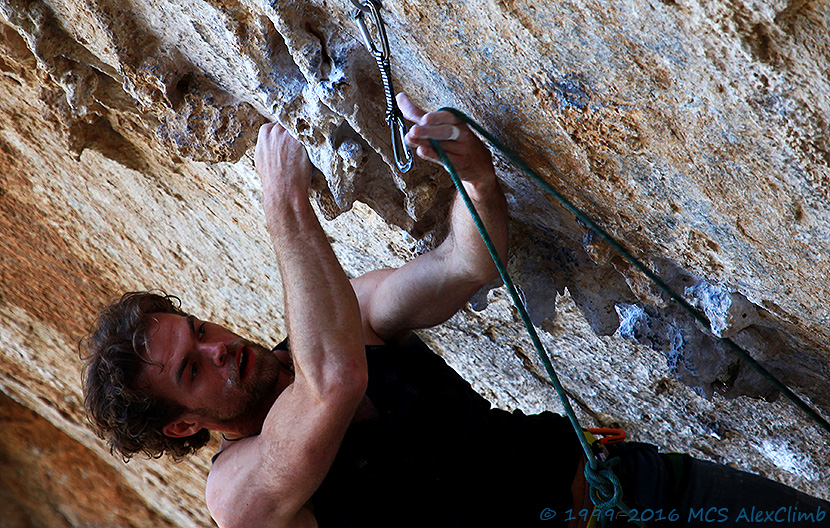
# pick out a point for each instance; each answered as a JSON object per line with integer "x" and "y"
{"x": 191, "y": 323}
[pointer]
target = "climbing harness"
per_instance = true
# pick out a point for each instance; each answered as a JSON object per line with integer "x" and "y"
{"x": 394, "y": 118}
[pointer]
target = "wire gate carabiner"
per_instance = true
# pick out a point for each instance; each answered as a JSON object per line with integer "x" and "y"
{"x": 394, "y": 117}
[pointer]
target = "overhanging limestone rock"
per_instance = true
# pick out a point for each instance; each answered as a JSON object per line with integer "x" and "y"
{"x": 697, "y": 133}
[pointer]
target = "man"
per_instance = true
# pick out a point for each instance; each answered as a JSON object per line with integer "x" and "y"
{"x": 284, "y": 415}
{"x": 356, "y": 423}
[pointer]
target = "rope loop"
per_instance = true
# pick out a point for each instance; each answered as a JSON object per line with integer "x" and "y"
{"x": 605, "y": 489}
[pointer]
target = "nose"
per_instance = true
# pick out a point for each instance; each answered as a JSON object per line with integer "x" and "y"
{"x": 217, "y": 353}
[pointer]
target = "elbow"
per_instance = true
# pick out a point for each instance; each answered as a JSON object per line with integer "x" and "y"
{"x": 474, "y": 272}
{"x": 343, "y": 383}
{"x": 223, "y": 519}
{"x": 351, "y": 383}
{"x": 223, "y": 514}
{"x": 260, "y": 509}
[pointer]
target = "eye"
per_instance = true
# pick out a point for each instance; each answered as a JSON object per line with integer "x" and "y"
{"x": 201, "y": 331}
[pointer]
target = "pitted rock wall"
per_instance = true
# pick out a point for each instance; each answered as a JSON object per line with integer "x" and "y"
{"x": 695, "y": 132}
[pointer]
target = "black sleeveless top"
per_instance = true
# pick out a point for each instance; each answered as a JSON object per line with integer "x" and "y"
{"x": 437, "y": 455}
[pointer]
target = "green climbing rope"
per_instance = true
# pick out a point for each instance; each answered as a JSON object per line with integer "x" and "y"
{"x": 605, "y": 490}
{"x": 584, "y": 218}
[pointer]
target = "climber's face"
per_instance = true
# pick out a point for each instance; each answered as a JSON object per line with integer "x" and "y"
{"x": 219, "y": 377}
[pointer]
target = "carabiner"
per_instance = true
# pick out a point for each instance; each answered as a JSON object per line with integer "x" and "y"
{"x": 401, "y": 151}
{"x": 369, "y": 6}
{"x": 610, "y": 436}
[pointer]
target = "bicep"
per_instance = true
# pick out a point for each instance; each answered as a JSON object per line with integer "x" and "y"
{"x": 423, "y": 293}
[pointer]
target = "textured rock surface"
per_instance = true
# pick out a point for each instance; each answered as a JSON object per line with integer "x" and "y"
{"x": 696, "y": 132}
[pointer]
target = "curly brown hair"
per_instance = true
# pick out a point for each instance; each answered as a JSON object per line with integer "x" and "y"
{"x": 128, "y": 418}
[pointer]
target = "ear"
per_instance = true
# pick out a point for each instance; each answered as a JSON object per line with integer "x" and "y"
{"x": 181, "y": 428}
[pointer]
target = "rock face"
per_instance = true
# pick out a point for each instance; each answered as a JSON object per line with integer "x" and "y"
{"x": 696, "y": 133}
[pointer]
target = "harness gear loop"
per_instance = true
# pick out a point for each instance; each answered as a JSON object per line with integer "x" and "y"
{"x": 400, "y": 150}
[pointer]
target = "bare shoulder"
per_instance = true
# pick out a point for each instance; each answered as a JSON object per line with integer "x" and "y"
{"x": 237, "y": 496}
{"x": 233, "y": 492}
{"x": 267, "y": 480}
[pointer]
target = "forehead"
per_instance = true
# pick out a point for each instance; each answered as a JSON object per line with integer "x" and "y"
{"x": 166, "y": 336}
{"x": 163, "y": 333}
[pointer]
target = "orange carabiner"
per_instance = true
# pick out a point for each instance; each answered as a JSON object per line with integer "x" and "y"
{"x": 609, "y": 436}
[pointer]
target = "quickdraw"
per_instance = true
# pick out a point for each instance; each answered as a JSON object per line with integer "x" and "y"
{"x": 394, "y": 118}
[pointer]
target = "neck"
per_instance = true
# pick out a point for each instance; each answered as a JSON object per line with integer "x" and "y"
{"x": 251, "y": 424}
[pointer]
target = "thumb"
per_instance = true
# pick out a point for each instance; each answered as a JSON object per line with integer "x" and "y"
{"x": 408, "y": 108}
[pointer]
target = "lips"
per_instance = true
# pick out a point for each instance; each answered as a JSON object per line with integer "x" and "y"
{"x": 243, "y": 362}
{"x": 246, "y": 360}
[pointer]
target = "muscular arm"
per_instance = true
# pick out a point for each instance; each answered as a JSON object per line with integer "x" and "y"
{"x": 322, "y": 310}
{"x": 268, "y": 479}
{"x": 432, "y": 287}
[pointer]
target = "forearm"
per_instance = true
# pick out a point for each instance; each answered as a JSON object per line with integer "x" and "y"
{"x": 467, "y": 255}
{"x": 321, "y": 308}
{"x": 430, "y": 289}
{"x": 322, "y": 311}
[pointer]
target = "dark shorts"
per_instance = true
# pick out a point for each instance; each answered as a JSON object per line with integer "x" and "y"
{"x": 674, "y": 491}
